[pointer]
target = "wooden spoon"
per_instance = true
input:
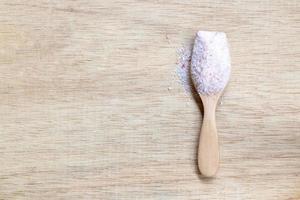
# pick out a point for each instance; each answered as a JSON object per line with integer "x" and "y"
{"x": 210, "y": 71}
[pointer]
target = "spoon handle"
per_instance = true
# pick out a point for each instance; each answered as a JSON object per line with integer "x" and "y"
{"x": 208, "y": 152}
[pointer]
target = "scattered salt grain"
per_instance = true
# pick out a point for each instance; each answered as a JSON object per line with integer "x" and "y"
{"x": 183, "y": 68}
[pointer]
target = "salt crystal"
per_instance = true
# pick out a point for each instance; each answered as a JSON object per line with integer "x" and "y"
{"x": 183, "y": 68}
{"x": 210, "y": 64}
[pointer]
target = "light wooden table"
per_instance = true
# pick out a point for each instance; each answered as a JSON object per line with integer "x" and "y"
{"x": 86, "y": 112}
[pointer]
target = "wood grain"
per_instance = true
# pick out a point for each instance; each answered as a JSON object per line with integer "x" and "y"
{"x": 86, "y": 112}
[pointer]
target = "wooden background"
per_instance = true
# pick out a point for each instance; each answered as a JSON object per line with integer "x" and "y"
{"x": 91, "y": 107}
